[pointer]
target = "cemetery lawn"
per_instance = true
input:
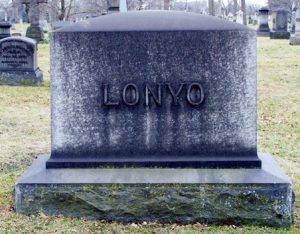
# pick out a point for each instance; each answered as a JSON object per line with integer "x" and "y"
{"x": 25, "y": 133}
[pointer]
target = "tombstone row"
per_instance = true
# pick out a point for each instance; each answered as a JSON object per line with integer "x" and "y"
{"x": 280, "y": 25}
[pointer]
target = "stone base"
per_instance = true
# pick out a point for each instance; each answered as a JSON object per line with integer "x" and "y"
{"x": 294, "y": 40}
{"x": 279, "y": 35}
{"x": 33, "y": 78}
{"x": 238, "y": 196}
{"x": 35, "y": 32}
{"x": 263, "y": 34}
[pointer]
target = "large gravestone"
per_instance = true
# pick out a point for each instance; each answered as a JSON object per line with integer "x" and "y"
{"x": 18, "y": 62}
{"x": 280, "y": 23}
{"x": 263, "y": 29}
{"x": 158, "y": 90}
{"x": 295, "y": 38}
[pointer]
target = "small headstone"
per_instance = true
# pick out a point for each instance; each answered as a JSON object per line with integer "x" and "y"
{"x": 250, "y": 20}
{"x": 2, "y": 15}
{"x": 280, "y": 23}
{"x": 44, "y": 25}
{"x": 18, "y": 62}
{"x": 293, "y": 21}
{"x": 295, "y": 38}
{"x": 239, "y": 17}
{"x": 230, "y": 17}
{"x": 263, "y": 29}
{"x": 17, "y": 34}
{"x": 149, "y": 89}
{"x": 255, "y": 19}
{"x": 113, "y": 6}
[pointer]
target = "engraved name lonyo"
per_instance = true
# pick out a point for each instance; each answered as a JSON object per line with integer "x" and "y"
{"x": 131, "y": 94}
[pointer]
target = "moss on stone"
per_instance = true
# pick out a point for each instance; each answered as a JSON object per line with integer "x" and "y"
{"x": 188, "y": 203}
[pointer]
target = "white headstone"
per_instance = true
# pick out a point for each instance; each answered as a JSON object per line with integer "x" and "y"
{"x": 295, "y": 38}
{"x": 239, "y": 17}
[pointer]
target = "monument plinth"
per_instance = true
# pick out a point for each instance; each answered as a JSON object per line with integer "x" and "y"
{"x": 153, "y": 121}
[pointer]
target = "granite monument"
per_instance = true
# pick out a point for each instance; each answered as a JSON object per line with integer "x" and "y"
{"x": 159, "y": 124}
{"x": 280, "y": 24}
{"x": 18, "y": 62}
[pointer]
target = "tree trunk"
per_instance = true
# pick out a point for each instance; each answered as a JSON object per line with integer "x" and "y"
{"x": 62, "y": 10}
{"x": 211, "y": 7}
{"x": 243, "y": 8}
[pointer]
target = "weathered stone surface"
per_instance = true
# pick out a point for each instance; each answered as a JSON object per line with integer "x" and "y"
{"x": 30, "y": 78}
{"x": 103, "y": 114}
{"x": 18, "y": 62}
{"x": 263, "y": 29}
{"x": 35, "y": 32}
{"x": 240, "y": 196}
{"x": 280, "y": 23}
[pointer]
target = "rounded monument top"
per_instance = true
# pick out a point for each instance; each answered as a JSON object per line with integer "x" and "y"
{"x": 153, "y": 21}
{"x": 19, "y": 38}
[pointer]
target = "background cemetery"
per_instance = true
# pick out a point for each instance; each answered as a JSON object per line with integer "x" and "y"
{"x": 25, "y": 111}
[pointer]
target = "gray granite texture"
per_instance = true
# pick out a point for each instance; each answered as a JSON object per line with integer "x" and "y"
{"x": 18, "y": 62}
{"x": 211, "y": 63}
{"x": 280, "y": 23}
{"x": 237, "y": 196}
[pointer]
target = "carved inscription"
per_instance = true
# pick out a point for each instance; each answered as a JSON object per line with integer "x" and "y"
{"x": 131, "y": 94}
{"x": 16, "y": 55}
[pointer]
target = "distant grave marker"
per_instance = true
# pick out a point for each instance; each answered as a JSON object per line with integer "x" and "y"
{"x": 280, "y": 23}
{"x": 263, "y": 29}
{"x": 295, "y": 38}
{"x": 18, "y": 62}
{"x": 34, "y": 31}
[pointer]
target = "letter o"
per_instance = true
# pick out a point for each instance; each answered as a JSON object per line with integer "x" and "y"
{"x": 134, "y": 94}
{"x": 195, "y": 94}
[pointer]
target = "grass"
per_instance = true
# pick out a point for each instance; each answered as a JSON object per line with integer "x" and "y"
{"x": 25, "y": 133}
